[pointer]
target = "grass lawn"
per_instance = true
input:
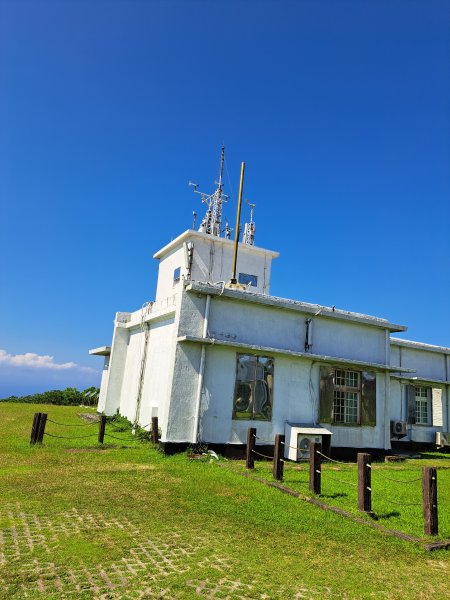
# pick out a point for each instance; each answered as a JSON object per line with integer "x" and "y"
{"x": 123, "y": 521}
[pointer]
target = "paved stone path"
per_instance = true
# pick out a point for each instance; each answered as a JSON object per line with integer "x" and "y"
{"x": 27, "y": 542}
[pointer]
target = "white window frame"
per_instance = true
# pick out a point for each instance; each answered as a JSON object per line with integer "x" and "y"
{"x": 423, "y": 400}
{"x": 347, "y": 391}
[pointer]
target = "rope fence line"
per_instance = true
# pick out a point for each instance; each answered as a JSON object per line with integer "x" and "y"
{"x": 342, "y": 481}
{"x": 301, "y": 450}
{"x": 339, "y": 462}
{"x": 118, "y": 438}
{"x": 398, "y": 480}
{"x": 65, "y": 437}
{"x": 74, "y": 424}
{"x": 263, "y": 455}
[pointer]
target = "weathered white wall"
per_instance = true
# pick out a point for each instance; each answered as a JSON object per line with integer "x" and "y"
{"x": 334, "y": 337}
{"x": 166, "y": 286}
{"x": 211, "y": 262}
{"x": 277, "y": 328}
{"x": 428, "y": 364}
{"x": 128, "y": 394}
{"x": 295, "y": 399}
{"x": 180, "y": 424}
{"x": 158, "y": 372}
{"x": 116, "y": 369}
{"x": 103, "y": 385}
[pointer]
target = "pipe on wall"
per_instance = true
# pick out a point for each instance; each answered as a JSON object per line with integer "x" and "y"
{"x": 201, "y": 371}
{"x": 387, "y": 392}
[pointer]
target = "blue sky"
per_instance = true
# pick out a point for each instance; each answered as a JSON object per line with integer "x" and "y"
{"x": 340, "y": 109}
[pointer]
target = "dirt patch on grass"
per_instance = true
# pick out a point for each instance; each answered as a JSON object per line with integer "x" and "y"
{"x": 83, "y": 450}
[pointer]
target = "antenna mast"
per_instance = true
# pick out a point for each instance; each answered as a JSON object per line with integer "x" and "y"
{"x": 250, "y": 228}
{"x": 212, "y": 221}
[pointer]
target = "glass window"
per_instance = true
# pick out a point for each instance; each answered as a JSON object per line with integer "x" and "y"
{"x": 346, "y": 396}
{"x": 423, "y": 408}
{"x": 253, "y": 390}
{"x": 246, "y": 279}
{"x": 177, "y": 275}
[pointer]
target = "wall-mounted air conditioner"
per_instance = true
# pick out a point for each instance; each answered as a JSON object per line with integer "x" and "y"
{"x": 442, "y": 439}
{"x": 399, "y": 429}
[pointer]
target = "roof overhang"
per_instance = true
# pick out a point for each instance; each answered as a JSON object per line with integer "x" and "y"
{"x": 304, "y": 307}
{"x": 190, "y": 234}
{"x": 419, "y": 346}
{"x": 101, "y": 351}
{"x": 335, "y": 360}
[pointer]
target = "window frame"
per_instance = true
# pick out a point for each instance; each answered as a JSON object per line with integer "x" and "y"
{"x": 421, "y": 401}
{"x": 176, "y": 275}
{"x": 267, "y": 380}
{"x": 346, "y": 390}
{"x": 248, "y": 279}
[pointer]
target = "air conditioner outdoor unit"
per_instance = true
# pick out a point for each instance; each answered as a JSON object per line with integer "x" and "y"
{"x": 303, "y": 442}
{"x": 399, "y": 429}
{"x": 442, "y": 439}
{"x": 298, "y": 436}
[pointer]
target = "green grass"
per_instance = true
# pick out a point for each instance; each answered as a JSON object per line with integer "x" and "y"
{"x": 79, "y": 521}
{"x": 396, "y": 490}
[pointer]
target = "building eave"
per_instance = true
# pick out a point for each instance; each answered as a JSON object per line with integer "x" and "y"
{"x": 101, "y": 351}
{"x": 192, "y": 234}
{"x": 419, "y": 380}
{"x": 294, "y": 305}
{"x": 281, "y": 351}
{"x": 419, "y": 346}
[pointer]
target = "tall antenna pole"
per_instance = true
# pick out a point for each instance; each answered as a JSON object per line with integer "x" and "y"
{"x": 212, "y": 221}
{"x": 233, "y": 279}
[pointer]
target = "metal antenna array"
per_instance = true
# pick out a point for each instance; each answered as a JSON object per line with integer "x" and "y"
{"x": 212, "y": 221}
{"x": 250, "y": 228}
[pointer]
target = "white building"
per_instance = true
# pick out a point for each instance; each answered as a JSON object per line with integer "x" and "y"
{"x": 211, "y": 360}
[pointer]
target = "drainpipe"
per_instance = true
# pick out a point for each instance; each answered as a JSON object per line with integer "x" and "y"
{"x": 387, "y": 393}
{"x": 447, "y": 389}
{"x": 201, "y": 372}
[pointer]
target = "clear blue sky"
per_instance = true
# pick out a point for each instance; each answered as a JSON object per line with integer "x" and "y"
{"x": 340, "y": 109}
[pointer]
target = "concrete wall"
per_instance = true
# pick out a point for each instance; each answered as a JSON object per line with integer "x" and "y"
{"x": 295, "y": 399}
{"x": 104, "y": 384}
{"x": 429, "y": 364}
{"x": 212, "y": 262}
{"x": 277, "y": 328}
{"x": 119, "y": 345}
{"x": 158, "y": 373}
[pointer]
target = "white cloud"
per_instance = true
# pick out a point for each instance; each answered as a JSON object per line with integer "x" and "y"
{"x": 35, "y": 361}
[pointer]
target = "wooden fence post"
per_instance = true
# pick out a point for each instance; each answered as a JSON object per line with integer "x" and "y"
{"x": 101, "y": 429}
{"x": 154, "y": 436}
{"x": 315, "y": 467}
{"x": 41, "y": 428}
{"x": 364, "y": 482}
{"x": 278, "y": 457}
{"x": 430, "y": 503}
{"x": 35, "y": 427}
{"x": 251, "y": 442}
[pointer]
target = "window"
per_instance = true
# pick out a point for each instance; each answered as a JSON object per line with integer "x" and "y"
{"x": 176, "y": 275}
{"x": 347, "y": 397}
{"x": 253, "y": 390}
{"x": 247, "y": 279}
{"x": 423, "y": 406}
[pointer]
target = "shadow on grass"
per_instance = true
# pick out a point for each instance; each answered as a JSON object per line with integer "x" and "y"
{"x": 435, "y": 456}
{"x": 388, "y": 515}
